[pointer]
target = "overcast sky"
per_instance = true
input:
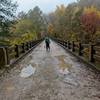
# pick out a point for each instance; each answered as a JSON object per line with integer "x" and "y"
{"x": 45, "y": 5}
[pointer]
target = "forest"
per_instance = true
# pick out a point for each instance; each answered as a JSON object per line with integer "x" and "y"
{"x": 79, "y": 21}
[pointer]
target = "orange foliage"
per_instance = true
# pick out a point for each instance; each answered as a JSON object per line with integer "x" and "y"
{"x": 90, "y": 19}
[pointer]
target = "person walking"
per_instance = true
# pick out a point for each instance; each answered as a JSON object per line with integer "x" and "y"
{"x": 47, "y": 42}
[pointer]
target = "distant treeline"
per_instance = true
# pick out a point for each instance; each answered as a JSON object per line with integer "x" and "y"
{"x": 79, "y": 21}
{"x": 21, "y": 28}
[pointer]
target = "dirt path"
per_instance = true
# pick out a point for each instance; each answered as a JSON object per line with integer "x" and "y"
{"x": 58, "y": 76}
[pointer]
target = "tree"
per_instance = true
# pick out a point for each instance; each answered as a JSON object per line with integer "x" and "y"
{"x": 7, "y": 10}
{"x": 36, "y": 17}
{"x": 89, "y": 3}
{"x": 90, "y": 21}
{"x": 29, "y": 23}
{"x": 50, "y": 29}
{"x": 56, "y": 19}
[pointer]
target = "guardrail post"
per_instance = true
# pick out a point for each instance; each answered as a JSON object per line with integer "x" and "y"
{"x": 65, "y": 43}
{"x": 4, "y": 57}
{"x": 7, "y": 55}
{"x": 23, "y": 47}
{"x": 80, "y": 49}
{"x": 91, "y": 52}
{"x": 73, "y": 45}
{"x": 30, "y": 44}
{"x": 17, "y": 50}
{"x": 68, "y": 44}
{"x": 60, "y": 42}
{"x": 27, "y": 46}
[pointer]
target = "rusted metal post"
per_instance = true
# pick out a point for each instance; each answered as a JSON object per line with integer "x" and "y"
{"x": 91, "y": 53}
{"x": 80, "y": 49}
{"x": 17, "y": 50}
{"x": 73, "y": 46}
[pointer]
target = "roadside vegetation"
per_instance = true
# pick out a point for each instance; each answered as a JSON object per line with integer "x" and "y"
{"x": 79, "y": 21}
{"x": 21, "y": 28}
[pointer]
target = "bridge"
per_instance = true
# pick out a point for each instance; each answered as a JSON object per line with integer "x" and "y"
{"x": 61, "y": 74}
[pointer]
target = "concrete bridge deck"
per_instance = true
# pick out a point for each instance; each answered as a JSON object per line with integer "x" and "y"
{"x": 54, "y": 75}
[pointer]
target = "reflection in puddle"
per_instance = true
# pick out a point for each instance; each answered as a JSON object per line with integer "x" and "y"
{"x": 28, "y": 71}
{"x": 62, "y": 64}
{"x": 8, "y": 87}
{"x": 64, "y": 72}
{"x": 71, "y": 81}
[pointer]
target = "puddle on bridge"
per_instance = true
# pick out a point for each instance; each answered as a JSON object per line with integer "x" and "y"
{"x": 27, "y": 71}
{"x": 71, "y": 80}
{"x": 63, "y": 66}
{"x": 8, "y": 87}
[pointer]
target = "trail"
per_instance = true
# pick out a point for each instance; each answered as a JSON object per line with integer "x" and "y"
{"x": 57, "y": 76}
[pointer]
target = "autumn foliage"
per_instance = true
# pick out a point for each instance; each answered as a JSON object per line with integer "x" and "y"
{"x": 90, "y": 20}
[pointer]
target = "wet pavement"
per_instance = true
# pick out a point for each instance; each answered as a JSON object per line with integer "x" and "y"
{"x": 54, "y": 75}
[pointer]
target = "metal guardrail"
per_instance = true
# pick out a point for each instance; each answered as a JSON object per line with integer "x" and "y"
{"x": 86, "y": 51}
{"x": 10, "y": 54}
